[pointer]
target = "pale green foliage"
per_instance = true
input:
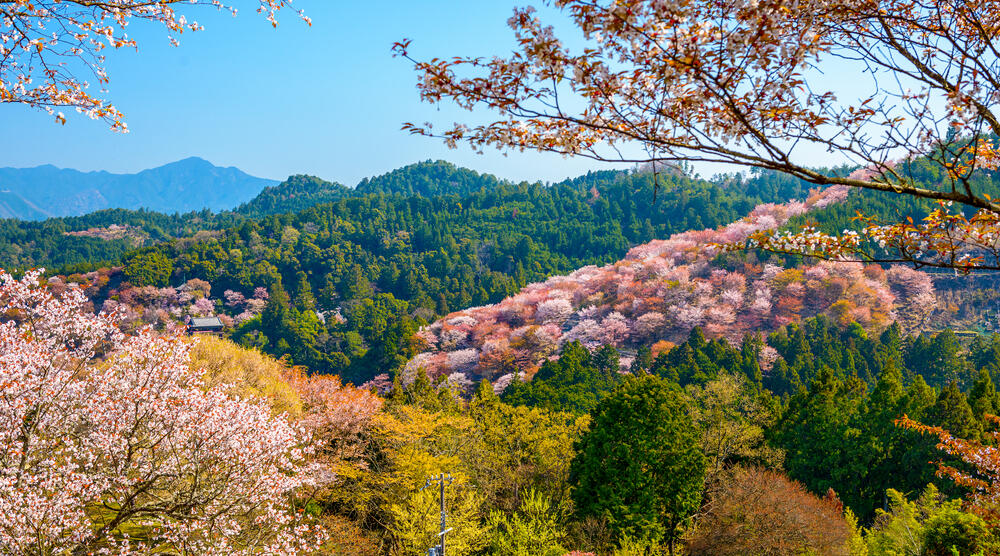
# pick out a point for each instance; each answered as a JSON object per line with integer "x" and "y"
{"x": 497, "y": 454}
{"x": 416, "y": 521}
{"x": 634, "y": 546}
{"x": 927, "y": 526}
{"x": 533, "y": 529}
{"x": 517, "y": 449}
{"x": 731, "y": 420}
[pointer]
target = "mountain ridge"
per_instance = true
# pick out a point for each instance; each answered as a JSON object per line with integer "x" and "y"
{"x": 184, "y": 185}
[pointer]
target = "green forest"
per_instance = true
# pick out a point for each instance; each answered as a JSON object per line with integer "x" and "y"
{"x": 338, "y": 281}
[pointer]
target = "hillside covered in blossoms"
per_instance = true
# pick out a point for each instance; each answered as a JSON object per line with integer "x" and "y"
{"x": 662, "y": 290}
{"x": 799, "y": 356}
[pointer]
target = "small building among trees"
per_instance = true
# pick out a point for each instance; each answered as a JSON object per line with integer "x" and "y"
{"x": 206, "y": 325}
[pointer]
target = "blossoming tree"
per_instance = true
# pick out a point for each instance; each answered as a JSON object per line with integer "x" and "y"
{"x": 112, "y": 443}
{"x": 661, "y": 290}
{"x": 46, "y": 46}
{"x": 742, "y": 83}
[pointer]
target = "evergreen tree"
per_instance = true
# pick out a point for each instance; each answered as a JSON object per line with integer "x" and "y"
{"x": 276, "y": 318}
{"x": 304, "y": 298}
{"x": 643, "y": 360}
{"x": 640, "y": 464}
{"x": 983, "y": 396}
{"x": 574, "y": 382}
{"x": 953, "y": 413}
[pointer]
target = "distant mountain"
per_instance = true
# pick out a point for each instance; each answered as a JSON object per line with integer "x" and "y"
{"x": 429, "y": 179}
{"x": 186, "y": 185}
{"x": 292, "y": 195}
{"x": 13, "y": 205}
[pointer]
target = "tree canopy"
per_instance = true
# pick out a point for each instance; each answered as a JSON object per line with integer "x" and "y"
{"x": 743, "y": 83}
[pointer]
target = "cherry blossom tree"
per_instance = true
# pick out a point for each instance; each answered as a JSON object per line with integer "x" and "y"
{"x": 741, "y": 83}
{"x": 554, "y": 310}
{"x": 234, "y": 299}
{"x": 916, "y": 287}
{"x": 663, "y": 289}
{"x": 111, "y": 443}
{"x": 335, "y": 414}
{"x": 47, "y": 47}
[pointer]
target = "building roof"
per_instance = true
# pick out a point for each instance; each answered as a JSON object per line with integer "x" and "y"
{"x": 206, "y": 322}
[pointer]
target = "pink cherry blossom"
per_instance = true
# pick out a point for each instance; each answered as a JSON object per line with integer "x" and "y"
{"x": 90, "y": 415}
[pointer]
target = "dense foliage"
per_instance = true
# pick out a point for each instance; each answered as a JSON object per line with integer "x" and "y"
{"x": 428, "y": 179}
{"x": 343, "y": 287}
{"x": 292, "y": 195}
{"x": 354, "y": 268}
{"x": 640, "y": 465}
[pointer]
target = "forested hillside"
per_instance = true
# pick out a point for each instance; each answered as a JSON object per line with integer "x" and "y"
{"x": 405, "y": 256}
{"x": 292, "y": 195}
{"x": 844, "y": 388}
{"x": 518, "y": 312}
{"x": 403, "y": 260}
{"x": 626, "y": 197}
{"x": 429, "y": 179}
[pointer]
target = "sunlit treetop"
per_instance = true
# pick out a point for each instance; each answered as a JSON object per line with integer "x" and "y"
{"x": 48, "y": 47}
{"x": 742, "y": 83}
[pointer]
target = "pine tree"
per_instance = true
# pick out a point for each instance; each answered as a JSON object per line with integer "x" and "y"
{"x": 953, "y": 413}
{"x": 983, "y": 396}
{"x": 304, "y": 298}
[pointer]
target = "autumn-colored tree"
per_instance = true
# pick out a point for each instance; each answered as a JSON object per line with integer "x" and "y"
{"x": 112, "y": 443}
{"x": 46, "y": 44}
{"x": 980, "y": 472}
{"x": 337, "y": 415}
{"x": 741, "y": 83}
{"x": 758, "y": 511}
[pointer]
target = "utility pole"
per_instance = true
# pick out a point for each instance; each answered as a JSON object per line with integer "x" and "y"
{"x": 443, "y": 479}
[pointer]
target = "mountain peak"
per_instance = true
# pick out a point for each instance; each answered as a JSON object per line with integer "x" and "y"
{"x": 192, "y": 183}
{"x": 191, "y": 161}
{"x": 429, "y": 178}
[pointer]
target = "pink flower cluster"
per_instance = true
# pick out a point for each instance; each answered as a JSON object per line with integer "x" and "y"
{"x": 660, "y": 291}
{"x": 163, "y": 307}
{"x": 248, "y": 307}
{"x": 92, "y": 417}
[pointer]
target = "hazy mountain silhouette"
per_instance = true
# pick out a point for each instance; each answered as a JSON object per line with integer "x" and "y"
{"x": 185, "y": 185}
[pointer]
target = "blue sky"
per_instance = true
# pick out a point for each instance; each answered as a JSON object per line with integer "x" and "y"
{"x": 326, "y": 100}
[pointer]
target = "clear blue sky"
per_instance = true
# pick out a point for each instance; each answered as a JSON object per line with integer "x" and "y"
{"x": 326, "y": 100}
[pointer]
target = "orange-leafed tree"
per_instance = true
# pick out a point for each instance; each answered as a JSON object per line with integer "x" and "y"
{"x": 743, "y": 83}
{"x": 48, "y": 47}
{"x": 759, "y": 511}
{"x": 980, "y": 472}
